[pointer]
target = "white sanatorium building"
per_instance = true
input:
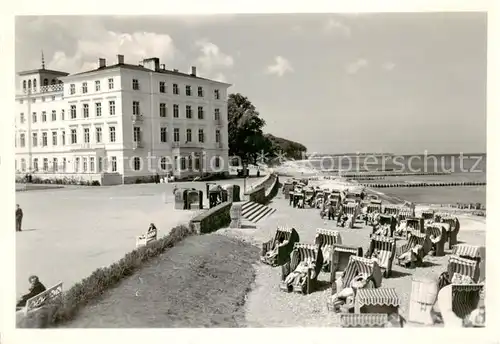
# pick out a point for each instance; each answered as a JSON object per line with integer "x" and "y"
{"x": 104, "y": 123}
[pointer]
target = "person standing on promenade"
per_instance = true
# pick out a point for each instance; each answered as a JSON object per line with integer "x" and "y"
{"x": 19, "y": 218}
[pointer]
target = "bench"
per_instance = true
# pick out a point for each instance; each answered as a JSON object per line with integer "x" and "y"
{"x": 41, "y": 299}
{"x": 144, "y": 239}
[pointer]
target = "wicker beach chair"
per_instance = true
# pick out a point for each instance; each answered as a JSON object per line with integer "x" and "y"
{"x": 465, "y": 298}
{"x": 391, "y": 210}
{"x": 424, "y": 293}
{"x": 463, "y": 266}
{"x": 340, "y": 259}
{"x": 467, "y": 251}
{"x": 358, "y": 265}
{"x": 281, "y": 244}
{"x": 375, "y": 206}
{"x": 427, "y": 214}
{"x": 385, "y": 248}
{"x": 303, "y": 253}
{"x": 364, "y": 320}
{"x": 412, "y": 261}
{"x": 437, "y": 235}
{"x": 453, "y": 230}
{"x": 352, "y": 211}
{"x": 405, "y": 213}
{"x": 326, "y": 239}
{"x": 379, "y": 300}
{"x": 386, "y": 221}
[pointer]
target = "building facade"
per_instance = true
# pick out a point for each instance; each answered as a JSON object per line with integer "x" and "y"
{"x": 121, "y": 121}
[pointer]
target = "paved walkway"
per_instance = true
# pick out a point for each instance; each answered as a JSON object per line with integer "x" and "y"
{"x": 70, "y": 232}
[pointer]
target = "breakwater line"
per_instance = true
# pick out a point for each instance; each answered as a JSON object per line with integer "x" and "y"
{"x": 421, "y": 184}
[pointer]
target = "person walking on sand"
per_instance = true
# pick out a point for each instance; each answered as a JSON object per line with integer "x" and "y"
{"x": 19, "y": 218}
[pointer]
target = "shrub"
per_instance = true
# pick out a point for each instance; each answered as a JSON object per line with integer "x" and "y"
{"x": 95, "y": 183}
{"x": 90, "y": 288}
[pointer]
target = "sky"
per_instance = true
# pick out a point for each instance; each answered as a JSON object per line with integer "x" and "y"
{"x": 404, "y": 83}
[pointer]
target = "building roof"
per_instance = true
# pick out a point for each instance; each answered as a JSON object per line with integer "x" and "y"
{"x": 143, "y": 69}
{"x": 35, "y": 71}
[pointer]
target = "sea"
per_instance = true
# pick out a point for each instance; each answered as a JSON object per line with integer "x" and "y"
{"x": 457, "y": 168}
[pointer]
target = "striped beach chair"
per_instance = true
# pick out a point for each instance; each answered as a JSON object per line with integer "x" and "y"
{"x": 340, "y": 259}
{"x": 391, "y": 210}
{"x": 465, "y": 298}
{"x": 283, "y": 242}
{"x": 326, "y": 239}
{"x": 415, "y": 238}
{"x": 364, "y": 320}
{"x": 386, "y": 220}
{"x": 379, "y": 300}
{"x": 467, "y": 251}
{"x": 427, "y": 214}
{"x": 405, "y": 213}
{"x": 437, "y": 235}
{"x": 358, "y": 265}
{"x": 463, "y": 266}
{"x": 352, "y": 210}
{"x": 307, "y": 253}
{"x": 453, "y": 229}
{"x": 386, "y": 250}
{"x": 375, "y": 206}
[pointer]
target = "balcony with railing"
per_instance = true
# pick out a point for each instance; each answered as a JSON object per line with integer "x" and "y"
{"x": 218, "y": 121}
{"x": 55, "y": 88}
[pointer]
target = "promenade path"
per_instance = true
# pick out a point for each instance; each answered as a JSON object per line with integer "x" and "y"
{"x": 70, "y": 232}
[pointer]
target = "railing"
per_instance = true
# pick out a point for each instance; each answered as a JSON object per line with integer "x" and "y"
{"x": 219, "y": 145}
{"x": 45, "y": 89}
{"x": 218, "y": 121}
{"x": 176, "y": 144}
{"x": 138, "y": 144}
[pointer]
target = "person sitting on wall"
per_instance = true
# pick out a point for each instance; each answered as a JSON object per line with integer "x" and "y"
{"x": 36, "y": 288}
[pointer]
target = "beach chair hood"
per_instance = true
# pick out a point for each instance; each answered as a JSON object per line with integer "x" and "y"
{"x": 358, "y": 265}
{"x": 463, "y": 266}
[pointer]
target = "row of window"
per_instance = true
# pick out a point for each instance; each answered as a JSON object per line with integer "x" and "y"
{"x": 112, "y": 136}
{"x": 73, "y": 137}
{"x": 136, "y": 110}
{"x": 162, "y": 88}
{"x": 88, "y": 164}
{"x": 33, "y": 99}
{"x": 28, "y": 85}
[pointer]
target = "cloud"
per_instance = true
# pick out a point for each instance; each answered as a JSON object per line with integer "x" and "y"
{"x": 333, "y": 25}
{"x": 220, "y": 77}
{"x": 280, "y": 67}
{"x": 354, "y": 67}
{"x": 135, "y": 47}
{"x": 212, "y": 57}
{"x": 388, "y": 66}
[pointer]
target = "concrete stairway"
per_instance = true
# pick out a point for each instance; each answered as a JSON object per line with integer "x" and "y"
{"x": 254, "y": 212}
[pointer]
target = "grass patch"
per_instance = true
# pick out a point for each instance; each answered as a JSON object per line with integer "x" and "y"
{"x": 99, "y": 281}
{"x": 201, "y": 282}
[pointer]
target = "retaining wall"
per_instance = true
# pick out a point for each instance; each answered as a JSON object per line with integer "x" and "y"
{"x": 212, "y": 219}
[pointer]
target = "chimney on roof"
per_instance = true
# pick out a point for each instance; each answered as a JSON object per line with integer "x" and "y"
{"x": 102, "y": 62}
{"x": 152, "y": 63}
{"x": 193, "y": 71}
{"x": 162, "y": 67}
{"x": 121, "y": 59}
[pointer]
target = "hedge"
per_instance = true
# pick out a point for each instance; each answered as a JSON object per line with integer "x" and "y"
{"x": 90, "y": 288}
